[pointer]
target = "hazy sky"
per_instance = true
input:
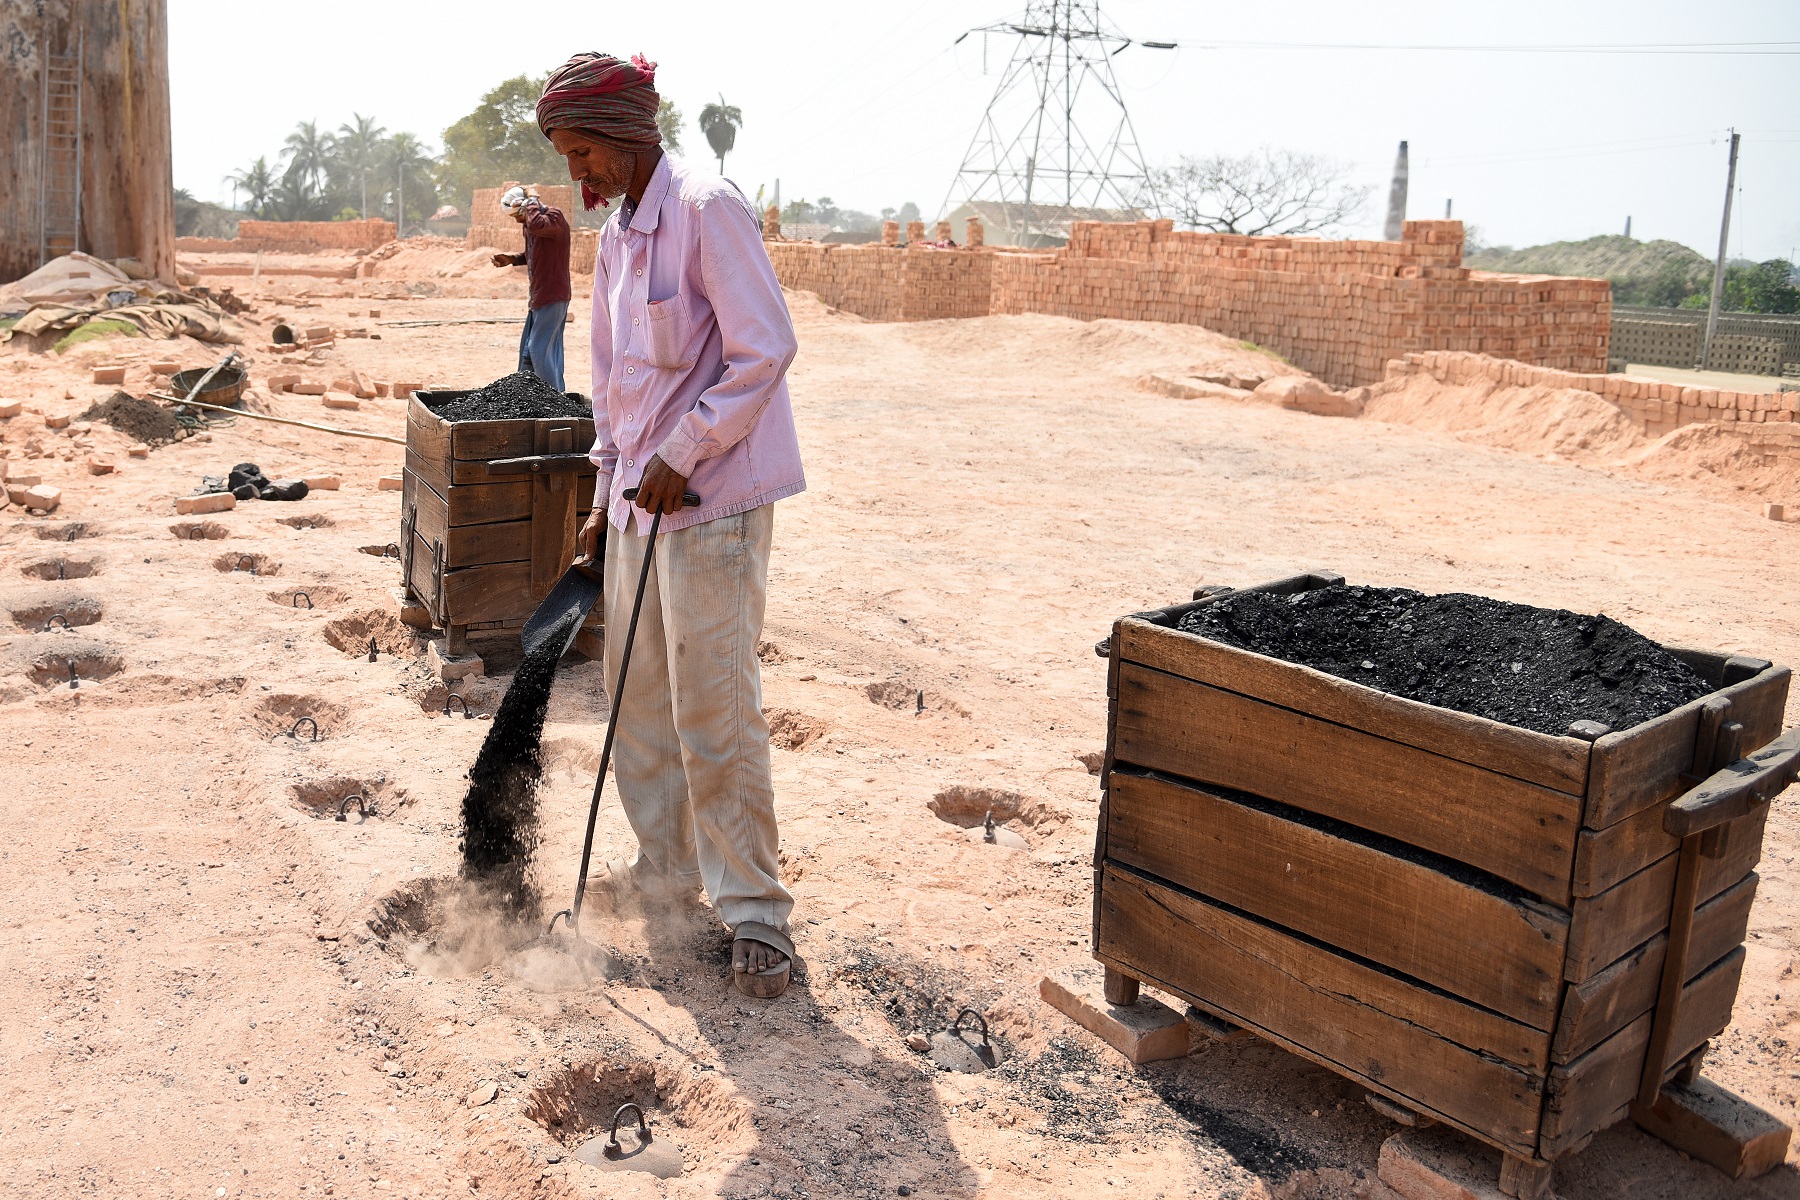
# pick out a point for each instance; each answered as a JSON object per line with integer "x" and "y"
{"x": 872, "y": 105}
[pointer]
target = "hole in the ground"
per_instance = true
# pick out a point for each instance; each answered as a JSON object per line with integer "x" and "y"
{"x": 254, "y": 564}
{"x": 307, "y": 521}
{"x": 326, "y": 798}
{"x": 1093, "y": 760}
{"x": 695, "y": 1112}
{"x": 792, "y": 729}
{"x": 571, "y": 756}
{"x": 351, "y": 634}
{"x": 902, "y": 696}
{"x": 276, "y": 715}
{"x": 968, "y": 807}
{"x": 389, "y": 550}
{"x": 771, "y": 654}
{"x": 66, "y": 531}
{"x": 199, "y": 531}
{"x": 75, "y": 610}
{"x": 61, "y": 568}
{"x": 468, "y": 696}
{"x": 88, "y": 664}
{"x": 322, "y": 595}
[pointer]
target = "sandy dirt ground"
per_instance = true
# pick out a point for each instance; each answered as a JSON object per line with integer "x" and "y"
{"x": 213, "y": 988}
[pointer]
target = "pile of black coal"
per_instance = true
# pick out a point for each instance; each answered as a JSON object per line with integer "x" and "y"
{"x": 518, "y": 396}
{"x": 499, "y": 811}
{"x": 247, "y": 482}
{"x": 1536, "y": 668}
{"x": 145, "y": 420}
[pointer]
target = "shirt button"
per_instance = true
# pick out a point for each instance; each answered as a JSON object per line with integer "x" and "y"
{"x": 640, "y": 270}
{"x": 634, "y": 320}
{"x": 628, "y": 416}
{"x": 629, "y": 463}
{"x": 631, "y": 370}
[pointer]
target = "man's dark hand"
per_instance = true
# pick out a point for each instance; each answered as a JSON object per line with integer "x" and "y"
{"x": 661, "y": 489}
{"x": 503, "y": 260}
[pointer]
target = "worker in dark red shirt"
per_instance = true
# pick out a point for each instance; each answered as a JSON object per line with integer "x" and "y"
{"x": 546, "y": 261}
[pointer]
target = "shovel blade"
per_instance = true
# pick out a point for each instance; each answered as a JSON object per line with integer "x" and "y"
{"x": 576, "y": 592}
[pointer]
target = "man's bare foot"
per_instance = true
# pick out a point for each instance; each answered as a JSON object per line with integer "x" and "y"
{"x": 754, "y": 957}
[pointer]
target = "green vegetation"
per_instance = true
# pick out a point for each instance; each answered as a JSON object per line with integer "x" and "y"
{"x": 1277, "y": 355}
{"x": 92, "y": 330}
{"x": 1661, "y": 274}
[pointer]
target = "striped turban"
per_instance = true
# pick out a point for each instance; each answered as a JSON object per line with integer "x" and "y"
{"x": 606, "y": 99}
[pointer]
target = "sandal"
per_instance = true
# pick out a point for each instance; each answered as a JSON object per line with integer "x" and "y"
{"x": 768, "y": 984}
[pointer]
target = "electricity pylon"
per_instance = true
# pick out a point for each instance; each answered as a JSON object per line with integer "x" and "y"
{"x": 1056, "y": 135}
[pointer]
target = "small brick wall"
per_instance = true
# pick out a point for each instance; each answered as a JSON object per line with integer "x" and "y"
{"x": 1340, "y": 310}
{"x": 313, "y": 235}
{"x": 490, "y": 226}
{"x": 1768, "y": 422}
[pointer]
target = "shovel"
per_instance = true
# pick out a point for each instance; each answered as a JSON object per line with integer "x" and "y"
{"x": 577, "y": 591}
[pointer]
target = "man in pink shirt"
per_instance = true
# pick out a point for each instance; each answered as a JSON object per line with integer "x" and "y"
{"x": 692, "y": 342}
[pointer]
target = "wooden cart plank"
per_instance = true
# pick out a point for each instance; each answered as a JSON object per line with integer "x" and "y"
{"x": 496, "y": 592}
{"x": 422, "y": 580}
{"x": 476, "y": 471}
{"x": 505, "y": 439}
{"x": 1519, "y": 831}
{"x": 499, "y": 541}
{"x": 1593, "y": 1091}
{"x": 1604, "y": 857}
{"x": 1642, "y": 766}
{"x": 1554, "y": 762}
{"x": 1504, "y": 952}
{"x": 1606, "y": 927}
{"x": 1599, "y": 1007}
{"x": 1367, "y": 1025}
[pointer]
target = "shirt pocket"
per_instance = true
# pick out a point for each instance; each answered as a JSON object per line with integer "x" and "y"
{"x": 667, "y": 333}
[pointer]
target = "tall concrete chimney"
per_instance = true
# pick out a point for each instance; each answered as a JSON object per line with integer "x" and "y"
{"x": 1396, "y": 217}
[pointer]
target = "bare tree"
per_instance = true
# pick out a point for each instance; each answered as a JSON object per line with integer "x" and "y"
{"x": 1268, "y": 193}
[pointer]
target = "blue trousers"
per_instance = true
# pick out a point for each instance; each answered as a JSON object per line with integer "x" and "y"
{"x": 540, "y": 346}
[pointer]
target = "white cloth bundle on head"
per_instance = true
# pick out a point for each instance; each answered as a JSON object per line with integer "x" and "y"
{"x": 514, "y": 199}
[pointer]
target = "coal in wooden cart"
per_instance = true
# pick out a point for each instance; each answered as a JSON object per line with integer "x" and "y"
{"x": 1471, "y": 920}
{"x": 490, "y": 510}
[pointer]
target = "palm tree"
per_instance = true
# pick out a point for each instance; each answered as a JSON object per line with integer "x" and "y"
{"x": 720, "y": 123}
{"x": 357, "y": 148}
{"x": 309, "y": 154}
{"x": 404, "y": 155}
{"x": 257, "y": 182}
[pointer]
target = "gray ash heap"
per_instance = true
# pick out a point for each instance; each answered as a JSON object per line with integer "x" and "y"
{"x": 499, "y": 811}
{"x": 1536, "y": 668}
{"x": 519, "y": 396}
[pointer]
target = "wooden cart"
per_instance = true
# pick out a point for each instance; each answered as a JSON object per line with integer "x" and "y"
{"x": 1467, "y": 918}
{"x": 489, "y": 515}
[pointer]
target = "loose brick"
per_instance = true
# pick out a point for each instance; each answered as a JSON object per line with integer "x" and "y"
{"x": 109, "y": 374}
{"x": 10, "y": 409}
{"x": 334, "y": 400}
{"x": 212, "y": 502}
{"x": 283, "y": 382}
{"x": 56, "y": 420}
{"x": 138, "y": 451}
{"x": 100, "y": 466}
{"x": 322, "y": 483}
{"x": 43, "y": 497}
{"x": 404, "y": 391}
{"x": 389, "y": 483}
{"x": 308, "y": 387}
{"x": 1440, "y": 1164}
{"x": 164, "y": 368}
{"x": 1147, "y": 1031}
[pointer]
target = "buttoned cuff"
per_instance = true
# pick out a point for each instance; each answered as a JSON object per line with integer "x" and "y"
{"x": 681, "y": 453}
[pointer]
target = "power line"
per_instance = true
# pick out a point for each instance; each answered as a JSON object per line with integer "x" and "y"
{"x": 1682, "y": 48}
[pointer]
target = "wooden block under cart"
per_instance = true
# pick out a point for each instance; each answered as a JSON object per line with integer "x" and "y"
{"x": 1466, "y": 918}
{"x": 489, "y": 515}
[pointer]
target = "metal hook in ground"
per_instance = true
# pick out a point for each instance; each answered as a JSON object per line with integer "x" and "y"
{"x": 55, "y": 617}
{"x": 197, "y": 533}
{"x": 465, "y": 705}
{"x": 373, "y": 649}
{"x": 613, "y": 1149}
{"x": 987, "y": 827}
{"x": 242, "y": 559}
{"x": 62, "y": 569}
{"x": 362, "y": 807}
{"x": 74, "y": 679}
{"x": 956, "y": 1025}
{"x": 297, "y": 597}
{"x": 566, "y": 916}
{"x": 393, "y": 547}
{"x": 298, "y": 722}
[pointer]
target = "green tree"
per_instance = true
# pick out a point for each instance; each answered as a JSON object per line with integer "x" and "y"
{"x": 410, "y": 170}
{"x": 357, "y": 150}
{"x": 668, "y": 124}
{"x": 720, "y": 123}
{"x": 500, "y": 140}
{"x": 257, "y": 183}
{"x": 309, "y": 154}
{"x": 1764, "y": 288}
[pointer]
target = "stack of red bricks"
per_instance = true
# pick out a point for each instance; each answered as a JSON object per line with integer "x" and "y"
{"x": 1340, "y": 310}
{"x": 1769, "y": 422}
{"x": 303, "y": 236}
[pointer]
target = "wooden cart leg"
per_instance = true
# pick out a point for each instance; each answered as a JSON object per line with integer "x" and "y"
{"x": 456, "y": 639}
{"x": 1526, "y": 1178}
{"x": 1691, "y": 1066}
{"x": 1119, "y": 988}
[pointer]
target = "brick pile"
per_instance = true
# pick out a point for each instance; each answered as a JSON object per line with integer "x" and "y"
{"x": 302, "y": 236}
{"x": 1768, "y": 422}
{"x": 1340, "y": 310}
{"x": 889, "y": 283}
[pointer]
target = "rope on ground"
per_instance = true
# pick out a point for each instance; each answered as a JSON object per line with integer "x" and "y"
{"x": 357, "y": 433}
{"x": 459, "y": 321}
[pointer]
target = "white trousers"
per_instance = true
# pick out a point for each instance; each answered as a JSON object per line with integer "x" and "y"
{"x": 691, "y": 755}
